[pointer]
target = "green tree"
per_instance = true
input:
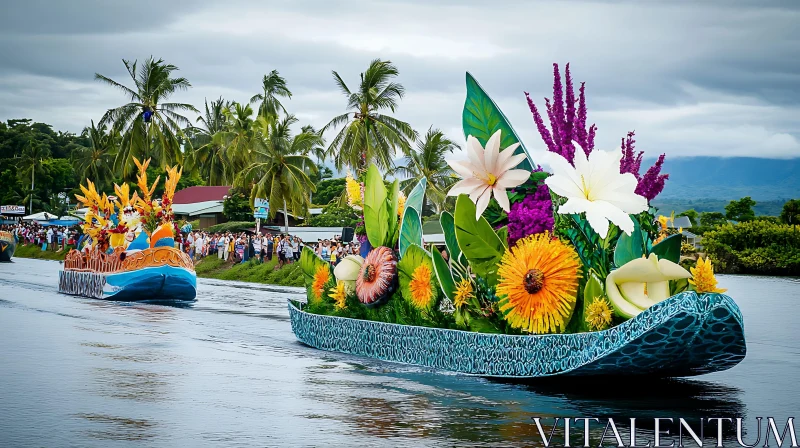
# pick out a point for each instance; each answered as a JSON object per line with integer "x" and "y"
{"x": 335, "y": 216}
{"x": 741, "y": 210}
{"x": 328, "y": 190}
{"x": 273, "y": 86}
{"x": 692, "y": 215}
{"x": 236, "y": 206}
{"x": 280, "y": 170}
{"x": 96, "y": 161}
{"x": 791, "y": 212}
{"x": 712, "y": 219}
{"x": 151, "y": 126}
{"x": 31, "y": 163}
{"x": 208, "y": 158}
{"x": 368, "y": 134}
{"x": 427, "y": 161}
{"x": 238, "y": 140}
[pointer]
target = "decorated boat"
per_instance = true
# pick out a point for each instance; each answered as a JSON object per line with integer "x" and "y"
{"x": 128, "y": 251}
{"x": 8, "y": 243}
{"x": 564, "y": 271}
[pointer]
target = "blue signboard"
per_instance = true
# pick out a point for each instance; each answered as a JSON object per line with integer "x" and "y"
{"x": 260, "y": 208}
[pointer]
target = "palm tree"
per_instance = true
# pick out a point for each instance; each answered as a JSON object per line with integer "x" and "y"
{"x": 368, "y": 134}
{"x": 273, "y": 86}
{"x": 427, "y": 161}
{"x": 32, "y": 161}
{"x": 279, "y": 172}
{"x": 151, "y": 127}
{"x": 237, "y": 140}
{"x": 96, "y": 162}
{"x": 208, "y": 156}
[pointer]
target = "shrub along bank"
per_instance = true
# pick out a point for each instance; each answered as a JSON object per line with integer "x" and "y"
{"x": 754, "y": 247}
{"x": 35, "y": 251}
{"x": 251, "y": 271}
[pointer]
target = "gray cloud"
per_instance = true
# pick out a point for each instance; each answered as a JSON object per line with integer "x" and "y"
{"x": 710, "y": 78}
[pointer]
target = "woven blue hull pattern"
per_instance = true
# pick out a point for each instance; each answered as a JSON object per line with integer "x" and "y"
{"x": 685, "y": 335}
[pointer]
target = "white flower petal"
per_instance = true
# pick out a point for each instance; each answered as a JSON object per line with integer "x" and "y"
{"x": 615, "y": 215}
{"x": 574, "y": 206}
{"x": 563, "y": 186}
{"x": 504, "y": 155}
{"x": 597, "y": 219}
{"x": 560, "y": 167}
{"x": 466, "y": 186}
{"x": 511, "y": 162}
{"x": 502, "y": 198}
{"x": 476, "y": 193}
{"x": 475, "y": 154}
{"x": 462, "y": 167}
{"x": 491, "y": 153}
{"x": 513, "y": 178}
{"x": 482, "y": 203}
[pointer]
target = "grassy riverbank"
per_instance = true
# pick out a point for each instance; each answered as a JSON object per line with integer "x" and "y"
{"x": 34, "y": 251}
{"x": 252, "y": 271}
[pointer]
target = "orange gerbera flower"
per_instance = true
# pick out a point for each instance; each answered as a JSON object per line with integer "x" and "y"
{"x": 321, "y": 278}
{"x": 538, "y": 284}
{"x": 421, "y": 286}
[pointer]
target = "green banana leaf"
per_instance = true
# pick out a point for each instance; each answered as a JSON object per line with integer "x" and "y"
{"x": 482, "y": 118}
{"x": 477, "y": 240}
{"x": 376, "y": 211}
{"x": 629, "y": 247}
{"x": 410, "y": 230}
{"x": 415, "y": 198}
{"x": 449, "y": 229}
{"x": 669, "y": 248}
{"x": 443, "y": 274}
{"x": 393, "y": 206}
{"x": 309, "y": 263}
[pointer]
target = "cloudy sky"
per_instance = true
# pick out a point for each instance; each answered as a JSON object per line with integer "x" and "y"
{"x": 691, "y": 77}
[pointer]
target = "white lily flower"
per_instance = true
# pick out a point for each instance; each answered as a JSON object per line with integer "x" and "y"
{"x": 641, "y": 283}
{"x": 488, "y": 172}
{"x": 595, "y": 186}
{"x": 347, "y": 270}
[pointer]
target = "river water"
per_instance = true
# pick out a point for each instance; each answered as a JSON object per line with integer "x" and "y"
{"x": 227, "y": 371}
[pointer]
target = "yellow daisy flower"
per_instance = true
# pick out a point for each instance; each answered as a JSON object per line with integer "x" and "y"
{"x": 353, "y": 190}
{"x": 703, "y": 277}
{"x": 463, "y": 293}
{"x": 421, "y": 286}
{"x": 598, "y": 314}
{"x": 339, "y": 294}
{"x": 538, "y": 284}
{"x": 321, "y": 278}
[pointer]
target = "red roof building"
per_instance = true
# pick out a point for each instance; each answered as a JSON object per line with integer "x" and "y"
{"x": 193, "y": 195}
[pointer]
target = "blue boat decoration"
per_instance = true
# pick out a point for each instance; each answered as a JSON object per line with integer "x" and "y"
{"x": 565, "y": 271}
{"x": 8, "y": 244}
{"x": 130, "y": 249}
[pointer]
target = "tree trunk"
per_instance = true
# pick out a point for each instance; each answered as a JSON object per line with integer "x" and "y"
{"x": 285, "y": 217}
{"x": 33, "y": 170}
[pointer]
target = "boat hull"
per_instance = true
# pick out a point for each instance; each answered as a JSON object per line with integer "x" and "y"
{"x": 156, "y": 283}
{"x": 685, "y": 335}
{"x": 7, "y": 246}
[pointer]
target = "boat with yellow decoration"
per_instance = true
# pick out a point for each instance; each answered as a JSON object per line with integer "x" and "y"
{"x": 128, "y": 249}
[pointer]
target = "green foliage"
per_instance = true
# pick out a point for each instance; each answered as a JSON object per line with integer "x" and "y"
{"x": 35, "y": 251}
{"x": 231, "y": 226}
{"x": 595, "y": 253}
{"x": 629, "y": 247}
{"x": 376, "y": 209}
{"x": 709, "y": 221}
{"x": 335, "y": 216}
{"x": 443, "y": 274}
{"x": 449, "y": 230}
{"x": 482, "y": 118}
{"x": 755, "y": 247}
{"x": 236, "y": 207}
{"x": 410, "y": 230}
{"x": 251, "y": 271}
{"x": 477, "y": 240}
{"x": 687, "y": 249}
{"x": 790, "y": 214}
{"x": 693, "y": 216}
{"x": 669, "y": 248}
{"x": 328, "y": 190}
{"x": 741, "y": 210}
{"x": 415, "y": 257}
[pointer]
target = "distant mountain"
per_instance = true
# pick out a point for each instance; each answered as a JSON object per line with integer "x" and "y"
{"x": 709, "y": 183}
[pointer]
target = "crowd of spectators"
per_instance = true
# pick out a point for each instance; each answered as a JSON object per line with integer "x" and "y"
{"x": 54, "y": 238}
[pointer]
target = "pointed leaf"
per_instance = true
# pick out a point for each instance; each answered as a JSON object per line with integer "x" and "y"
{"x": 443, "y": 274}
{"x": 482, "y": 118}
{"x": 476, "y": 238}
{"x": 415, "y": 198}
{"x": 410, "y": 230}
{"x": 629, "y": 247}
{"x": 392, "y": 206}
{"x": 415, "y": 257}
{"x": 669, "y": 248}
{"x": 449, "y": 230}
{"x": 375, "y": 211}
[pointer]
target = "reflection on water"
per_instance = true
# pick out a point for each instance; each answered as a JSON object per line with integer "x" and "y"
{"x": 227, "y": 371}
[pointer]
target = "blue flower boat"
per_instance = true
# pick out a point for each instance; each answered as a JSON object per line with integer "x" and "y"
{"x": 157, "y": 274}
{"x": 8, "y": 243}
{"x": 685, "y": 335}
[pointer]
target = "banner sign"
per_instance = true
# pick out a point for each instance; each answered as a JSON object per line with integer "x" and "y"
{"x": 12, "y": 209}
{"x": 260, "y": 208}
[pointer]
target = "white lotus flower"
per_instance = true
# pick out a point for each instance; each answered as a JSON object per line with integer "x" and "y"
{"x": 347, "y": 270}
{"x": 641, "y": 283}
{"x": 488, "y": 171}
{"x": 595, "y": 186}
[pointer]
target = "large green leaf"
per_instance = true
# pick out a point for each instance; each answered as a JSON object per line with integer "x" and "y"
{"x": 449, "y": 230}
{"x": 629, "y": 247}
{"x": 310, "y": 262}
{"x": 415, "y": 257}
{"x": 443, "y": 274}
{"x": 414, "y": 199}
{"x": 482, "y": 118}
{"x": 477, "y": 240}
{"x": 375, "y": 209}
{"x": 393, "y": 221}
{"x": 669, "y": 248}
{"x": 410, "y": 230}
{"x": 592, "y": 290}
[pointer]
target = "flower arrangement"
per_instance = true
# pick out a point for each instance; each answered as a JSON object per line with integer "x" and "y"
{"x": 131, "y": 221}
{"x": 576, "y": 248}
